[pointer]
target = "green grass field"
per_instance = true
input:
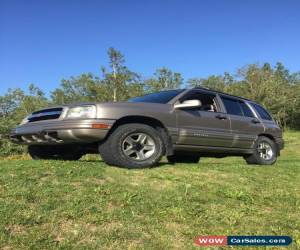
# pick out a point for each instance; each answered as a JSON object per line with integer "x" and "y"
{"x": 88, "y": 205}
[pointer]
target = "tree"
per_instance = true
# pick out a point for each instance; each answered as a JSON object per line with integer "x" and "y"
{"x": 116, "y": 84}
{"x": 14, "y": 106}
{"x": 268, "y": 86}
{"x": 120, "y": 80}
{"x": 83, "y": 88}
{"x": 195, "y": 82}
{"x": 163, "y": 79}
{"x": 212, "y": 82}
{"x": 116, "y": 60}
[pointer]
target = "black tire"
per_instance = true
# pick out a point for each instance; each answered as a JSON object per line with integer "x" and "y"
{"x": 43, "y": 152}
{"x": 263, "y": 156}
{"x": 183, "y": 158}
{"x": 105, "y": 152}
{"x": 113, "y": 153}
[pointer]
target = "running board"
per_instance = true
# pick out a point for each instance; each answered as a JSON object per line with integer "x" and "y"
{"x": 209, "y": 149}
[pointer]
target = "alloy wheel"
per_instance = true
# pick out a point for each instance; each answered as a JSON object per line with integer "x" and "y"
{"x": 265, "y": 151}
{"x": 138, "y": 146}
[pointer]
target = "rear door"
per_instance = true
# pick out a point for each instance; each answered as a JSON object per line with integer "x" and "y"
{"x": 204, "y": 126}
{"x": 244, "y": 124}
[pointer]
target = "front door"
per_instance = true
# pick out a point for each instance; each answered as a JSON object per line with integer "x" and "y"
{"x": 203, "y": 126}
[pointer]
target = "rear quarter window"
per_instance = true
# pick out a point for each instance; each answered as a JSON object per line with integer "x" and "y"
{"x": 262, "y": 112}
{"x": 246, "y": 110}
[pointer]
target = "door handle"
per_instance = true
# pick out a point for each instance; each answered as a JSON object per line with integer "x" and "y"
{"x": 221, "y": 117}
{"x": 255, "y": 121}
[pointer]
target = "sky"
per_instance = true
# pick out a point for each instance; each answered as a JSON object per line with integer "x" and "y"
{"x": 42, "y": 42}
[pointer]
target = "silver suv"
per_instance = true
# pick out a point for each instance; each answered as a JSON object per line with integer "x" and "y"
{"x": 183, "y": 124}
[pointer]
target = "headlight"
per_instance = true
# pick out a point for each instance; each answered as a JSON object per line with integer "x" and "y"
{"x": 88, "y": 111}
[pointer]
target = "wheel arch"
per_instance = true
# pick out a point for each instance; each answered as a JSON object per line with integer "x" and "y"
{"x": 271, "y": 137}
{"x": 150, "y": 121}
{"x": 268, "y": 135}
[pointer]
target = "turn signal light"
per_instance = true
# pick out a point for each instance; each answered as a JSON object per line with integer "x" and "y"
{"x": 101, "y": 125}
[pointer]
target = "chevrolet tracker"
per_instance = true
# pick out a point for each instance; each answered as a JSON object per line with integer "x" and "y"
{"x": 182, "y": 125}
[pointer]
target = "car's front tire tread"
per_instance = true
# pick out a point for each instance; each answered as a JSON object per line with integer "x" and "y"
{"x": 111, "y": 149}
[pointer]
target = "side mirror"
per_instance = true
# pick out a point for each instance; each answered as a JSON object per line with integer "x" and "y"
{"x": 188, "y": 104}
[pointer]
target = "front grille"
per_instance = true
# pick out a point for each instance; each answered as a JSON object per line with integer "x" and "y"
{"x": 33, "y": 138}
{"x": 45, "y": 114}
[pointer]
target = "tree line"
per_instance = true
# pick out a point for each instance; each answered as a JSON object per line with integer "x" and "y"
{"x": 275, "y": 87}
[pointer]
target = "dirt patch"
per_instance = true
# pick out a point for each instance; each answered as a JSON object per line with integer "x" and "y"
{"x": 176, "y": 230}
{"x": 111, "y": 206}
{"x": 6, "y": 248}
{"x": 76, "y": 183}
{"x": 15, "y": 229}
{"x": 98, "y": 181}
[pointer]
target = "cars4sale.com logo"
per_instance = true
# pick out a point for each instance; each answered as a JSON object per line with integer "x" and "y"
{"x": 243, "y": 240}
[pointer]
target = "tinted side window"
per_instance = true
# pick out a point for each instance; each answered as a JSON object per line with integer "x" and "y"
{"x": 208, "y": 102}
{"x": 246, "y": 110}
{"x": 232, "y": 106}
{"x": 262, "y": 112}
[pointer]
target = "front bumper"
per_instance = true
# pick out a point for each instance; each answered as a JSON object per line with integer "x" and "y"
{"x": 279, "y": 143}
{"x": 61, "y": 131}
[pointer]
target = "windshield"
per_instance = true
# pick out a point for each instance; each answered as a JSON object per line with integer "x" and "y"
{"x": 157, "y": 97}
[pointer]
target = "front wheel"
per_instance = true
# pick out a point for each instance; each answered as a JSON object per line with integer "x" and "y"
{"x": 133, "y": 146}
{"x": 265, "y": 152}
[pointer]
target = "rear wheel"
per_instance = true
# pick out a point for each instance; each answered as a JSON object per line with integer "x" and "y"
{"x": 60, "y": 152}
{"x": 183, "y": 158}
{"x": 265, "y": 152}
{"x": 133, "y": 146}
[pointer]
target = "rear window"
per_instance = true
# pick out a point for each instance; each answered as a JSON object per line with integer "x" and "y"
{"x": 232, "y": 106}
{"x": 262, "y": 112}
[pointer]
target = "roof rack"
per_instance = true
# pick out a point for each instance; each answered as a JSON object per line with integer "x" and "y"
{"x": 220, "y": 92}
